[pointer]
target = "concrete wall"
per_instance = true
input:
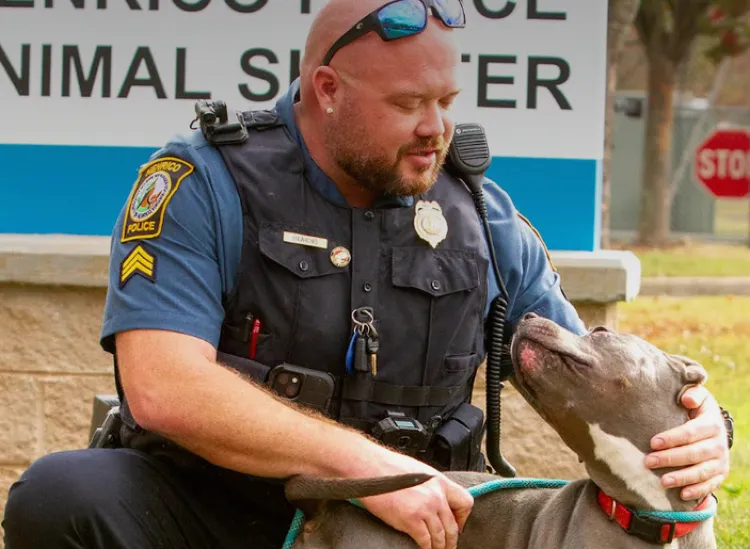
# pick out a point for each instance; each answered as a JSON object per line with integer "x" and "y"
{"x": 52, "y": 292}
{"x": 50, "y": 366}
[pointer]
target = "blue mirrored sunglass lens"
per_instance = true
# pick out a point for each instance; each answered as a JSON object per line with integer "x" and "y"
{"x": 403, "y": 18}
{"x": 452, "y": 12}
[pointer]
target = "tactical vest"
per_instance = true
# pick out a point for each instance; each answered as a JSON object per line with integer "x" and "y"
{"x": 428, "y": 303}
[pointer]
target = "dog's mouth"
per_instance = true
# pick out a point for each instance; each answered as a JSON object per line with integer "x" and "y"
{"x": 546, "y": 358}
{"x": 521, "y": 381}
{"x": 537, "y": 339}
{"x": 515, "y": 355}
{"x": 536, "y": 351}
{"x": 530, "y": 353}
{"x": 527, "y": 392}
{"x": 532, "y": 364}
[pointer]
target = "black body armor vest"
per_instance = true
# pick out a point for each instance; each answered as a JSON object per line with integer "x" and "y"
{"x": 427, "y": 303}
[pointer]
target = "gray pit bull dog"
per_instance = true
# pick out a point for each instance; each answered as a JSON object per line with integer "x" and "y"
{"x": 606, "y": 394}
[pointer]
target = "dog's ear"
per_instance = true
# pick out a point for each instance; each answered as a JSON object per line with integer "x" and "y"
{"x": 694, "y": 373}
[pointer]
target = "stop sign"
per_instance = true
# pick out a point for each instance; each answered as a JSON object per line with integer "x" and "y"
{"x": 723, "y": 163}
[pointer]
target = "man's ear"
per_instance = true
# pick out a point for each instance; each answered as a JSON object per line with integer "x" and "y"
{"x": 326, "y": 84}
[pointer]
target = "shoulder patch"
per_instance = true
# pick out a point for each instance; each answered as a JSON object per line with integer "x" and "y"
{"x": 156, "y": 185}
{"x": 138, "y": 262}
{"x": 539, "y": 236}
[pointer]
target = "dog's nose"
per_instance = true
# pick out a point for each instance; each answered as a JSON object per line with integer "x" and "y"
{"x": 529, "y": 316}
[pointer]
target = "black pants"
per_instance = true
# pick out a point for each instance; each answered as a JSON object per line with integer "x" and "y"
{"x": 127, "y": 499}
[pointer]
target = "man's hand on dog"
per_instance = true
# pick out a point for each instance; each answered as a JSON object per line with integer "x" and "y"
{"x": 699, "y": 447}
{"x": 432, "y": 513}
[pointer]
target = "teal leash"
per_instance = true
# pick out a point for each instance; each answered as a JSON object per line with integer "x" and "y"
{"x": 514, "y": 483}
{"x": 521, "y": 483}
{"x": 294, "y": 529}
{"x": 681, "y": 516}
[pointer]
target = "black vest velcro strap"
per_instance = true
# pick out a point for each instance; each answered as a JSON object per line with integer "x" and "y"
{"x": 367, "y": 390}
{"x": 256, "y": 370}
{"x": 262, "y": 120}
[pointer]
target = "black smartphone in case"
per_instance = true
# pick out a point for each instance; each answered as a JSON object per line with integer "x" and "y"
{"x": 305, "y": 386}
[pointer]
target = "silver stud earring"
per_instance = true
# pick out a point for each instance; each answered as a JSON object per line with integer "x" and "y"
{"x": 329, "y": 110}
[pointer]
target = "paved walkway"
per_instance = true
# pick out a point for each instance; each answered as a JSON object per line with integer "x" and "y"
{"x": 694, "y": 286}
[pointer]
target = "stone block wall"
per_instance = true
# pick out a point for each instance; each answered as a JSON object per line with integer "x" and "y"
{"x": 50, "y": 367}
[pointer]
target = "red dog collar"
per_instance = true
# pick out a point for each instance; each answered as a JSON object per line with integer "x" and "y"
{"x": 650, "y": 529}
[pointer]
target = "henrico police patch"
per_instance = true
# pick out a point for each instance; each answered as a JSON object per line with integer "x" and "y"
{"x": 156, "y": 185}
{"x": 138, "y": 262}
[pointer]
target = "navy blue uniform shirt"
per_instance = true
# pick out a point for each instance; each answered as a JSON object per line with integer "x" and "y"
{"x": 197, "y": 252}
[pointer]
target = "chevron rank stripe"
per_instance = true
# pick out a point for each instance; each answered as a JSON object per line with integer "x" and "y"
{"x": 138, "y": 262}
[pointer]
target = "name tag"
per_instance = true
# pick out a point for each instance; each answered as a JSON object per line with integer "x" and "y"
{"x": 305, "y": 240}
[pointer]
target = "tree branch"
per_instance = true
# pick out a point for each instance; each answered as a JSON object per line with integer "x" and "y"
{"x": 643, "y": 24}
{"x": 686, "y": 26}
{"x": 651, "y": 26}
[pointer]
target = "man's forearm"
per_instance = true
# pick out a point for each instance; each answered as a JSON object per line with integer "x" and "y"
{"x": 233, "y": 423}
{"x": 249, "y": 430}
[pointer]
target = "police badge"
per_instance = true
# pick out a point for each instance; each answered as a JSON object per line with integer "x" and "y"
{"x": 429, "y": 222}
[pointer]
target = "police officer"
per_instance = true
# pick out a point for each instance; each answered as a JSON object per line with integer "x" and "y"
{"x": 330, "y": 223}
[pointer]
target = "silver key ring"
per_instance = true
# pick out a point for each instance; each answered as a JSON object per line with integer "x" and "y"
{"x": 364, "y": 328}
{"x": 363, "y": 311}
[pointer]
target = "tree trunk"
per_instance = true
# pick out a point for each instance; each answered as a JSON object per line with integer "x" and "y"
{"x": 621, "y": 14}
{"x": 655, "y": 219}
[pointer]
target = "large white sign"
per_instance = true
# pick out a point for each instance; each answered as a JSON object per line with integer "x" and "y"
{"x": 127, "y": 72}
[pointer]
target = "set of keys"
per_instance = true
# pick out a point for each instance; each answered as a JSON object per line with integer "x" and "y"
{"x": 362, "y": 355}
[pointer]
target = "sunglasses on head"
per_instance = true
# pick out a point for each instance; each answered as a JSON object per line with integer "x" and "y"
{"x": 401, "y": 18}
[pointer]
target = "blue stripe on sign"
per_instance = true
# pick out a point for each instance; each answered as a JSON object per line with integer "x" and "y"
{"x": 48, "y": 189}
{"x": 560, "y": 196}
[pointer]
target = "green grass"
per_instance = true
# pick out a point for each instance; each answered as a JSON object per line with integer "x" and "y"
{"x": 716, "y": 332}
{"x": 695, "y": 260}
